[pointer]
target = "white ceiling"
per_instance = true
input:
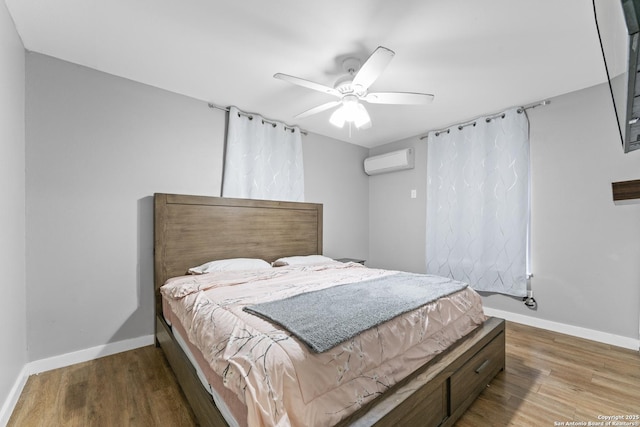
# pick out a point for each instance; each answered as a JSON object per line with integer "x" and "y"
{"x": 477, "y": 57}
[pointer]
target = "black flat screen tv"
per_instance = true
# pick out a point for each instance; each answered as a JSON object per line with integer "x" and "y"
{"x": 618, "y": 23}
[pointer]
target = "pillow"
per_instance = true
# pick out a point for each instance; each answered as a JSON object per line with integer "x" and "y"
{"x": 303, "y": 260}
{"x": 233, "y": 264}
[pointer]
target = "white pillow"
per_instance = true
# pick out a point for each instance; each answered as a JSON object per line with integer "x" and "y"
{"x": 303, "y": 260}
{"x": 233, "y": 264}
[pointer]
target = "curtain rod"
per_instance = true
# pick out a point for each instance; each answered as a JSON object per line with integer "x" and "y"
{"x": 488, "y": 118}
{"x": 250, "y": 116}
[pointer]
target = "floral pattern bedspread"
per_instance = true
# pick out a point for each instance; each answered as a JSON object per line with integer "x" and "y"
{"x": 279, "y": 379}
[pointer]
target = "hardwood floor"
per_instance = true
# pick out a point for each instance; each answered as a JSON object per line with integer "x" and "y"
{"x": 552, "y": 379}
{"x": 549, "y": 379}
{"x": 134, "y": 388}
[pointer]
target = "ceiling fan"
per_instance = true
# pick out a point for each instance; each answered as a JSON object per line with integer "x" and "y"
{"x": 352, "y": 90}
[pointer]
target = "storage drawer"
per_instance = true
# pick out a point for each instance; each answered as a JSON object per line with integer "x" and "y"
{"x": 469, "y": 381}
{"x": 427, "y": 410}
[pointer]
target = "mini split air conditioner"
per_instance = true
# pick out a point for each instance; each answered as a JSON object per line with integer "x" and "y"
{"x": 389, "y": 162}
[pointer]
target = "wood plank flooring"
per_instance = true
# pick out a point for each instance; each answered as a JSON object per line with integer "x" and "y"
{"x": 134, "y": 388}
{"x": 552, "y": 379}
{"x": 549, "y": 379}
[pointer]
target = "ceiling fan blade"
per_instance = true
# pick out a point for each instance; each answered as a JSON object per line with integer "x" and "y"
{"x": 373, "y": 67}
{"x": 308, "y": 84}
{"x": 403, "y": 98}
{"x": 317, "y": 109}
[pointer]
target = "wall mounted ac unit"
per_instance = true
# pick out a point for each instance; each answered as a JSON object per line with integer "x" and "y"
{"x": 389, "y": 162}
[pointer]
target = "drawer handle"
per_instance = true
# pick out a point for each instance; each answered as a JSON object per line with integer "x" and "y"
{"x": 481, "y": 367}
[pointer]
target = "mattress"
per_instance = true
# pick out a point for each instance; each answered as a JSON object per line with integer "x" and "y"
{"x": 269, "y": 377}
{"x": 230, "y": 408}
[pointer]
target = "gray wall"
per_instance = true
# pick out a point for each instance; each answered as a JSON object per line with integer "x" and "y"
{"x": 13, "y": 351}
{"x": 585, "y": 249}
{"x": 397, "y": 226}
{"x": 334, "y": 176}
{"x": 98, "y": 147}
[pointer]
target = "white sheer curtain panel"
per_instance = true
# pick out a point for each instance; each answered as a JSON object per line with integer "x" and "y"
{"x": 263, "y": 159}
{"x": 478, "y": 203}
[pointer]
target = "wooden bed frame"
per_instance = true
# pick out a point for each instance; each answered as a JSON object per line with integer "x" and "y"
{"x": 191, "y": 230}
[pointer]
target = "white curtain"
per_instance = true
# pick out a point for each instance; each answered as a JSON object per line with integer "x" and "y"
{"x": 263, "y": 159}
{"x": 478, "y": 203}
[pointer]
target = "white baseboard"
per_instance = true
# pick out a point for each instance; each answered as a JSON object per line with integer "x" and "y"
{"x": 576, "y": 331}
{"x": 92, "y": 353}
{"x": 14, "y": 395}
{"x": 63, "y": 360}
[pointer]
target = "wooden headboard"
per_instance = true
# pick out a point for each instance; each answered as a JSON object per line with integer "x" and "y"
{"x": 192, "y": 230}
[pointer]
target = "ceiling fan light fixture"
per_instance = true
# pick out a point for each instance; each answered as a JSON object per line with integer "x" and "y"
{"x": 338, "y": 118}
{"x": 361, "y": 117}
{"x": 350, "y": 111}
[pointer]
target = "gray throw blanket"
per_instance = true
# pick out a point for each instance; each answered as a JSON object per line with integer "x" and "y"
{"x": 325, "y": 318}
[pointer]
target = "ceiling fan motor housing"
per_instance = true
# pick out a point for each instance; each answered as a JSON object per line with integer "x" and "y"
{"x": 344, "y": 84}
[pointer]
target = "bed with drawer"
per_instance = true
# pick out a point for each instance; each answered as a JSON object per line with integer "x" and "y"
{"x": 268, "y": 332}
